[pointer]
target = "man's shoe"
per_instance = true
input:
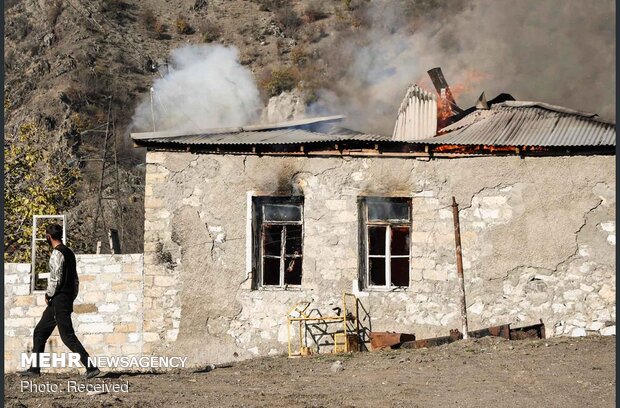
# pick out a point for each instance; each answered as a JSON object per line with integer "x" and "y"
{"x": 29, "y": 373}
{"x": 92, "y": 373}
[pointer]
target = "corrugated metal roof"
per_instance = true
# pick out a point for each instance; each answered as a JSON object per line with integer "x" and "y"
{"x": 516, "y": 123}
{"x": 264, "y": 137}
{"x": 511, "y": 123}
{"x": 307, "y": 122}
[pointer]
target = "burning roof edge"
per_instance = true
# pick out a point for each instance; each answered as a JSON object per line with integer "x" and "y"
{"x": 238, "y": 129}
{"x": 520, "y": 125}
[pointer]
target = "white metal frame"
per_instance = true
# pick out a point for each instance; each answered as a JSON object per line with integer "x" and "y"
{"x": 249, "y": 248}
{"x": 33, "y": 275}
{"x": 388, "y": 224}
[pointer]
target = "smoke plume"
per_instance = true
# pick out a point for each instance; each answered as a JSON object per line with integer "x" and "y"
{"x": 559, "y": 52}
{"x": 205, "y": 88}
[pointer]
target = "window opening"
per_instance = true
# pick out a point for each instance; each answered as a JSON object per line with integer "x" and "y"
{"x": 386, "y": 241}
{"x": 279, "y": 242}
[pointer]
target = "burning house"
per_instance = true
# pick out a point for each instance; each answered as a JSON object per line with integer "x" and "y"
{"x": 243, "y": 223}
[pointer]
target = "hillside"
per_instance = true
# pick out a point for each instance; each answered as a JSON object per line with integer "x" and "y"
{"x": 74, "y": 66}
{"x": 64, "y": 58}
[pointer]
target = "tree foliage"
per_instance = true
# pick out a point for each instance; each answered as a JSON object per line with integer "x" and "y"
{"x": 280, "y": 80}
{"x": 36, "y": 182}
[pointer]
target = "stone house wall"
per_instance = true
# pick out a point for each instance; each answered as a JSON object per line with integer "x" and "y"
{"x": 538, "y": 237}
{"x": 107, "y": 312}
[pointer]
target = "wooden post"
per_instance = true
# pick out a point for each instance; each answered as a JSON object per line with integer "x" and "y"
{"x": 459, "y": 265}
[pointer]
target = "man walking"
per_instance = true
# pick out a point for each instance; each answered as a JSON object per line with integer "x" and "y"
{"x": 62, "y": 289}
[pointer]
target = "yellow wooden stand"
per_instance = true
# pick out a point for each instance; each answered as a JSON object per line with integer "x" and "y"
{"x": 344, "y": 342}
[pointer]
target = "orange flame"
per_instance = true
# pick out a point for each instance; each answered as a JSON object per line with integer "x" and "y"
{"x": 472, "y": 78}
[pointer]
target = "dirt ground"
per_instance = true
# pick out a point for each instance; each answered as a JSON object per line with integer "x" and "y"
{"x": 559, "y": 372}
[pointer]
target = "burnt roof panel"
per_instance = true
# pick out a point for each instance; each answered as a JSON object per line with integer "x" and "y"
{"x": 516, "y": 123}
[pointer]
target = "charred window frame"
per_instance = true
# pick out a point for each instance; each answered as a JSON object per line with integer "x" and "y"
{"x": 277, "y": 241}
{"x": 385, "y": 238}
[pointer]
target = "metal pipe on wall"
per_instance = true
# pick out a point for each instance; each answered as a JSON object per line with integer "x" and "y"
{"x": 459, "y": 266}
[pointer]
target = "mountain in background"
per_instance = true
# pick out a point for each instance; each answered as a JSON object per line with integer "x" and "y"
{"x": 75, "y": 69}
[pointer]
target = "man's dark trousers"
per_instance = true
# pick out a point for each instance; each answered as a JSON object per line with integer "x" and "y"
{"x": 58, "y": 313}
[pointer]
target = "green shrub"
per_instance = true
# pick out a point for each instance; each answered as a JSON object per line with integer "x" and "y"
{"x": 312, "y": 78}
{"x": 199, "y": 5}
{"x": 314, "y": 11}
{"x": 53, "y": 12}
{"x": 269, "y": 5}
{"x": 210, "y": 31}
{"x": 160, "y": 27}
{"x": 183, "y": 26}
{"x": 299, "y": 56}
{"x": 313, "y": 33}
{"x": 288, "y": 20}
{"x": 280, "y": 80}
{"x": 116, "y": 9}
{"x": 148, "y": 19}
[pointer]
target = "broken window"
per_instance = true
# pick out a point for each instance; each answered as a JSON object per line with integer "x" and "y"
{"x": 385, "y": 226}
{"x": 278, "y": 241}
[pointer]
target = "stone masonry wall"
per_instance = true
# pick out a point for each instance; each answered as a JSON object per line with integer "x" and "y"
{"x": 538, "y": 237}
{"x": 107, "y": 312}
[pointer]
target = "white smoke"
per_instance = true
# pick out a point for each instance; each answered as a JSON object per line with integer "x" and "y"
{"x": 205, "y": 87}
{"x": 556, "y": 51}
{"x": 561, "y": 52}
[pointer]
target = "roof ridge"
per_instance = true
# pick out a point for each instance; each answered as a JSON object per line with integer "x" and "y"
{"x": 559, "y": 126}
{"x": 547, "y": 106}
{"x": 555, "y": 108}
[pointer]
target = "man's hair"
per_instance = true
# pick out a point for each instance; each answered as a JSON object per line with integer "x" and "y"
{"x": 55, "y": 231}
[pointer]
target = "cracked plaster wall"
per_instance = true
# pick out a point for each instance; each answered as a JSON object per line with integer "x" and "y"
{"x": 538, "y": 237}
